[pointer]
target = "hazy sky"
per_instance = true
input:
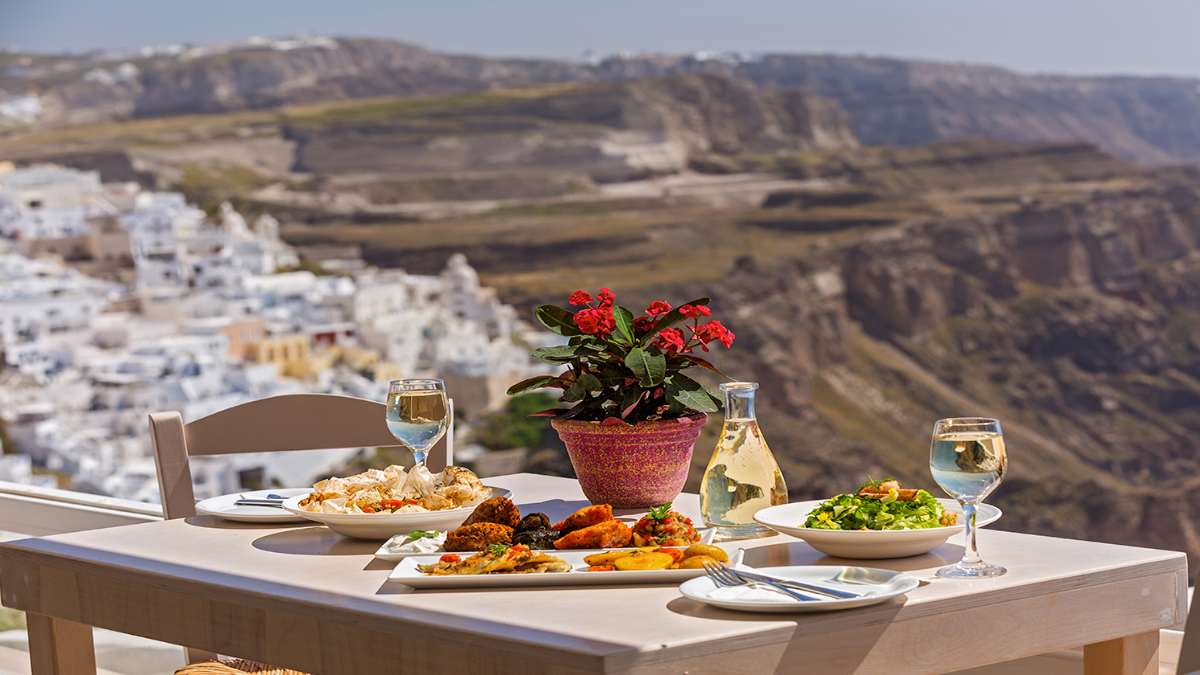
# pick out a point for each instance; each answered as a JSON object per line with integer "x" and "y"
{"x": 1079, "y": 36}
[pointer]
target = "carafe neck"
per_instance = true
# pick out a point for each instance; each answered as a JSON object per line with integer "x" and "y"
{"x": 739, "y": 400}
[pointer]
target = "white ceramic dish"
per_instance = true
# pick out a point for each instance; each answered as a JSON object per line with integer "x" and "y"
{"x": 225, "y": 507}
{"x": 867, "y": 544}
{"x": 882, "y": 585}
{"x": 406, "y": 573}
{"x": 384, "y": 525}
{"x": 706, "y": 537}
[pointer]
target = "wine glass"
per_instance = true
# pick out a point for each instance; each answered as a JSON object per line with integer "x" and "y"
{"x": 968, "y": 461}
{"x": 417, "y": 414}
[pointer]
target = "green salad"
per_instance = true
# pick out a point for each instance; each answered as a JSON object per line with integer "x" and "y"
{"x": 880, "y": 505}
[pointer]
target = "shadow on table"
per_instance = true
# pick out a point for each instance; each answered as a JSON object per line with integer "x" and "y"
{"x": 222, "y": 524}
{"x": 313, "y": 541}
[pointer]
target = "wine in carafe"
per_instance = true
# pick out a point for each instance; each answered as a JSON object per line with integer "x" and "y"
{"x": 742, "y": 477}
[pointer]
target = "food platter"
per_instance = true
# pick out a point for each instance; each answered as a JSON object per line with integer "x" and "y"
{"x": 384, "y": 525}
{"x": 880, "y": 586}
{"x": 706, "y": 537}
{"x": 406, "y": 573}
{"x": 867, "y": 544}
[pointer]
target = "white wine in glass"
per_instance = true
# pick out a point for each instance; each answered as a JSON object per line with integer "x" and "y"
{"x": 417, "y": 414}
{"x": 968, "y": 460}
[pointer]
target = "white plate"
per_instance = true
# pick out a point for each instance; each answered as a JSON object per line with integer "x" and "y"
{"x": 407, "y": 573}
{"x": 867, "y": 544}
{"x": 225, "y": 507}
{"x": 706, "y": 537}
{"x": 384, "y": 525}
{"x": 882, "y": 585}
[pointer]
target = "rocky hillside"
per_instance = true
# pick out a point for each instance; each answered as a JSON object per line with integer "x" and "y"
{"x": 601, "y": 131}
{"x": 887, "y": 101}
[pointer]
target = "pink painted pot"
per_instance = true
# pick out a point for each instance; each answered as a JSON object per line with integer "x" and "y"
{"x": 635, "y": 466}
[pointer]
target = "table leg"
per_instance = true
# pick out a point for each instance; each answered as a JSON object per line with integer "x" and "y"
{"x": 60, "y": 647}
{"x": 1130, "y": 655}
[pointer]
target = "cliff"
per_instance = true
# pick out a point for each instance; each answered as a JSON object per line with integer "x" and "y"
{"x": 887, "y": 101}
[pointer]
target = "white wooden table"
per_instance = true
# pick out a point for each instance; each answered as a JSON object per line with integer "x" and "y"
{"x": 303, "y": 597}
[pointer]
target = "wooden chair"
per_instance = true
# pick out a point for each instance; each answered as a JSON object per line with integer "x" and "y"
{"x": 273, "y": 424}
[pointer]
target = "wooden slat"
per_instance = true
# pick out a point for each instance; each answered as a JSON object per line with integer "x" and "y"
{"x": 1130, "y": 655}
{"x": 60, "y": 647}
{"x": 1189, "y": 653}
{"x": 169, "y": 440}
{"x": 291, "y": 422}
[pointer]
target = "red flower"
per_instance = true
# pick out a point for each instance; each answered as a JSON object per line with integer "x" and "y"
{"x": 671, "y": 340}
{"x": 695, "y": 311}
{"x": 715, "y": 330}
{"x": 658, "y": 308}
{"x": 642, "y": 325}
{"x": 588, "y": 321}
{"x": 579, "y": 298}
{"x": 598, "y": 321}
{"x": 606, "y": 296}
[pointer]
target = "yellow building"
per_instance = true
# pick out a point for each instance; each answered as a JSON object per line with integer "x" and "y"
{"x": 290, "y": 353}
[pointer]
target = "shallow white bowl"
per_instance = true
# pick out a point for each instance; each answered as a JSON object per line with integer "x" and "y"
{"x": 867, "y": 544}
{"x": 384, "y": 525}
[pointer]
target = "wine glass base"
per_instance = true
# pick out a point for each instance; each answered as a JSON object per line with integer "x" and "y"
{"x": 735, "y": 532}
{"x": 971, "y": 571}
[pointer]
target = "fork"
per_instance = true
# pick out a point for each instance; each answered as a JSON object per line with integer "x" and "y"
{"x": 836, "y": 593}
{"x": 722, "y": 576}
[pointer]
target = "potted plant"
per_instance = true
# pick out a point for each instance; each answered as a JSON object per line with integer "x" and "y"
{"x": 631, "y": 417}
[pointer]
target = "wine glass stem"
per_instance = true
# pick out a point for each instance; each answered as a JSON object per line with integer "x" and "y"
{"x": 971, "y": 554}
{"x": 419, "y": 456}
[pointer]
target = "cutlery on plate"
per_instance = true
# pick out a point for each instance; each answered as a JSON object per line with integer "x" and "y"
{"x": 836, "y": 593}
{"x": 269, "y": 500}
{"x": 722, "y": 577}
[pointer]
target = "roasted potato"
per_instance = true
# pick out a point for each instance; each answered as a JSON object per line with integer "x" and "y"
{"x": 695, "y": 562}
{"x": 715, "y": 552}
{"x": 639, "y": 560}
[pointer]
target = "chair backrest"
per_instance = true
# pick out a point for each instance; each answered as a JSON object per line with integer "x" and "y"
{"x": 274, "y": 424}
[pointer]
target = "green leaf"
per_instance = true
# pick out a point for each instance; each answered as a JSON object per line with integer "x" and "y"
{"x": 671, "y": 318}
{"x": 582, "y": 386}
{"x": 691, "y": 394}
{"x": 550, "y": 412}
{"x": 703, "y": 363}
{"x": 630, "y": 400}
{"x": 624, "y": 321}
{"x": 532, "y": 383}
{"x": 647, "y": 367}
{"x": 557, "y": 319}
{"x": 556, "y": 354}
{"x": 660, "y": 512}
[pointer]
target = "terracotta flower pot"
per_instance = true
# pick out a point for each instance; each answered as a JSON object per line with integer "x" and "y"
{"x": 635, "y": 466}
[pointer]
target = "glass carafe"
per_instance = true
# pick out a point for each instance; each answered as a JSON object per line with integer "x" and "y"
{"x": 742, "y": 476}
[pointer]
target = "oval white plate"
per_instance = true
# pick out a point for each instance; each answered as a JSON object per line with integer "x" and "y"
{"x": 706, "y": 537}
{"x": 867, "y": 544}
{"x": 384, "y": 525}
{"x": 225, "y": 507}
{"x": 406, "y": 573}
{"x": 882, "y": 585}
